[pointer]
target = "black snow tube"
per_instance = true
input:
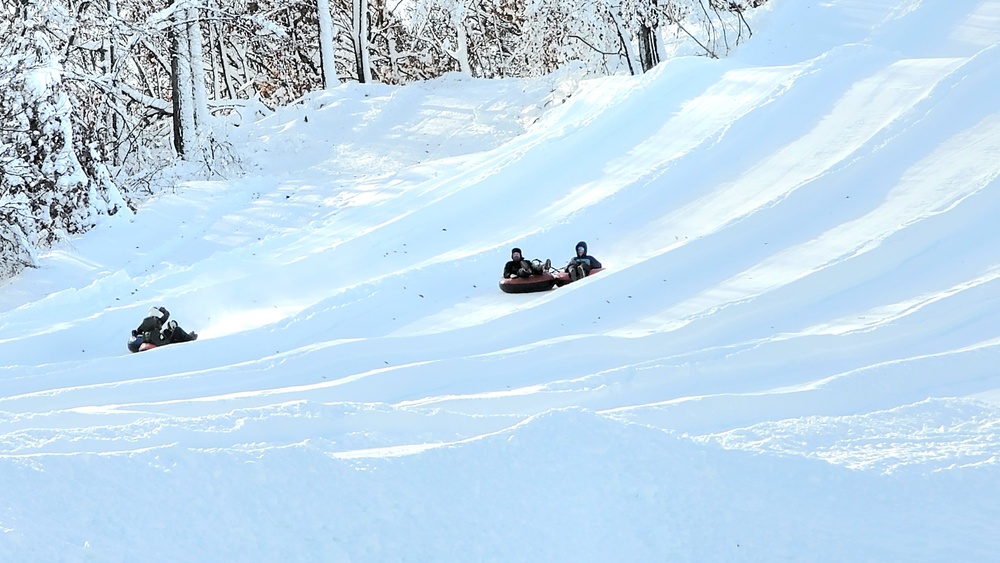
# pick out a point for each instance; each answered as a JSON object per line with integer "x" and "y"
{"x": 562, "y": 278}
{"x": 530, "y": 284}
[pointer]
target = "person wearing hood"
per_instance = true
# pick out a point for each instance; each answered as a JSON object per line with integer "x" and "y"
{"x": 581, "y": 264}
{"x": 518, "y": 267}
{"x": 157, "y": 330}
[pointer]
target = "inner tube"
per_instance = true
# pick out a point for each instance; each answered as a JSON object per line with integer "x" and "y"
{"x": 562, "y": 278}
{"x": 530, "y": 284}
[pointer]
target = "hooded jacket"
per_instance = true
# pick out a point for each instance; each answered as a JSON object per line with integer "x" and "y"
{"x": 588, "y": 261}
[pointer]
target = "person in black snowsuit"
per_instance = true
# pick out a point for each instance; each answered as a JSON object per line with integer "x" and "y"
{"x": 581, "y": 264}
{"x": 157, "y": 330}
{"x": 518, "y": 267}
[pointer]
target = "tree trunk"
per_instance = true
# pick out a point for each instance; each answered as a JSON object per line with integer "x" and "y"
{"x": 461, "y": 53}
{"x": 111, "y": 73}
{"x": 229, "y": 74}
{"x": 180, "y": 84}
{"x": 201, "y": 116}
{"x": 326, "y": 51}
{"x": 626, "y": 41}
{"x": 214, "y": 65}
{"x": 187, "y": 82}
{"x": 649, "y": 53}
{"x": 361, "y": 54}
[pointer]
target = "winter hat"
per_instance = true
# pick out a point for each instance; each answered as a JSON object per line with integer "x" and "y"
{"x": 517, "y": 250}
{"x": 582, "y": 245}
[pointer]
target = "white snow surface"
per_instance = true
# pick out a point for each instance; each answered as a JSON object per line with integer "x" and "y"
{"x": 793, "y": 353}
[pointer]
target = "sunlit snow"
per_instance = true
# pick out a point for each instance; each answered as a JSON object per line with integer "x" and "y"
{"x": 791, "y": 355}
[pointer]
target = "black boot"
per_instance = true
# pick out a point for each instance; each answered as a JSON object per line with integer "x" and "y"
{"x": 180, "y": 335}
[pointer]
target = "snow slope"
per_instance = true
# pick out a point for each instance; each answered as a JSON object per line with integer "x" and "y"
{"x": 791, "y": 354}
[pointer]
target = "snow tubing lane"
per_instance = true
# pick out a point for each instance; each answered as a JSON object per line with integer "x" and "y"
{"x": 562, "y": 278}
{"x": 531, "y": 284}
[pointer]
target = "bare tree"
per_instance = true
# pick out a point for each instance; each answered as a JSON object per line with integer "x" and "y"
{"x": 181, "y": 86}
{"x": 326, "y": 46}
{"x": 359, "y": 34}
{"x": 45, "y": 192}
{"x": 649, "y": 54}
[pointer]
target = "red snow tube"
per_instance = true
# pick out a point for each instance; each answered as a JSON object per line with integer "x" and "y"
{"x": 530, "y": 284}
{"x": 146, "y": 346}
{"x": 562, "y": 278}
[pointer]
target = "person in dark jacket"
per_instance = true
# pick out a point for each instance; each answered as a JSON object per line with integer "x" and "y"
{"x": 518, "y": 267}
{"x": 157, "y": 330}
{"x": 581, "y": 264}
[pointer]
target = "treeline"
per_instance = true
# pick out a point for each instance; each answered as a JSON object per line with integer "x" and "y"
{"x": 96, "y": 95}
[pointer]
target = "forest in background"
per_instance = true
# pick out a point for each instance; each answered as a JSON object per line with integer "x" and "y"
{"x": 98, "y": 97}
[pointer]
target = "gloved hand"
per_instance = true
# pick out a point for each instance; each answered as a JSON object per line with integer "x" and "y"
{"x": 134, "y": 333}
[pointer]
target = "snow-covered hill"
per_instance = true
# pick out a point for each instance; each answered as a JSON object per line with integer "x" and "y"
{"x": 791, "y": 355}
